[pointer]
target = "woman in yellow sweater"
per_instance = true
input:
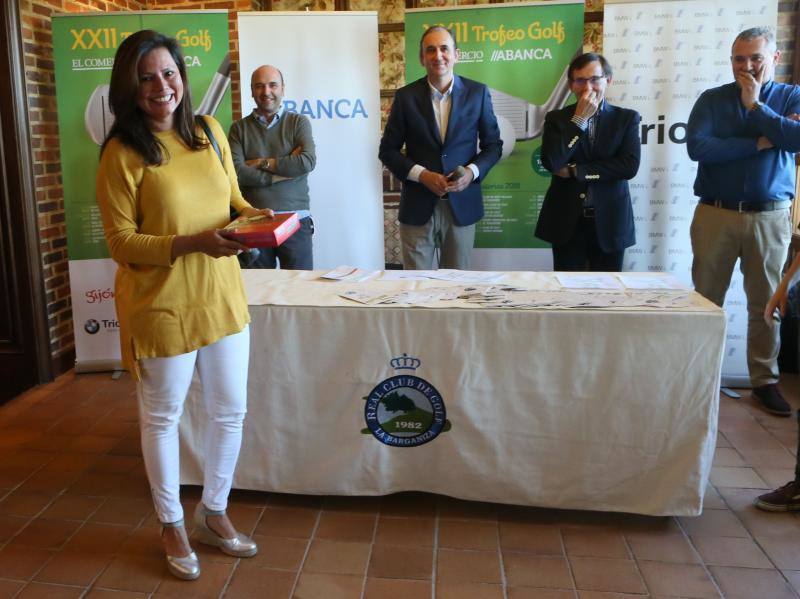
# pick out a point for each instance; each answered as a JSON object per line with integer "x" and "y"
{"x": 163, "y": 195}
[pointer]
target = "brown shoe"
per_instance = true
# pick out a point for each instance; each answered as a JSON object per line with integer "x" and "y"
{"x": 769, "y": 397}
{"x": 785, "y": 499}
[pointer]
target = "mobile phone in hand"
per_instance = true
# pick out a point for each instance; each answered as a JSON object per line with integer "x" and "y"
{"x": 459, "y": 172}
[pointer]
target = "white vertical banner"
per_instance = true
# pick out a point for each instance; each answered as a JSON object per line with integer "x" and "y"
{"x": 332, "y": 78}
{"x": 94, "y": 315}
{"x": 665, "y": 53}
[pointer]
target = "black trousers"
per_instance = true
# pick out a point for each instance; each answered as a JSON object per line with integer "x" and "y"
{"x": 582, "y": 252}
{"x": 797, "y": 464}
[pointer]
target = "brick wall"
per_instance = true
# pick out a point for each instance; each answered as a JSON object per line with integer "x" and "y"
{"x": 40, "y": 85}
{"x": 787, "y": 18}
{"x": 36, "y": 33}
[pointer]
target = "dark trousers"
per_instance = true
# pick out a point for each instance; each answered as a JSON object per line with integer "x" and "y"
{"x": 797, "y": 463}
{"x": 296, "y": 253}
{"x": 582, "y": 252}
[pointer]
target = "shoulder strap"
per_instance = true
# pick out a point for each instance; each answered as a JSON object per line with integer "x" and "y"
{"x": 200, "y": 120}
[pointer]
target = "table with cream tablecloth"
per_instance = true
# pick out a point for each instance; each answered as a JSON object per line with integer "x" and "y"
{"x": 599, "y": 409}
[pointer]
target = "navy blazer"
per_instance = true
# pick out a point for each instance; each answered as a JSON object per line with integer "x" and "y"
{"x": 412, "y": 123}
{"x": 605, "y": 166}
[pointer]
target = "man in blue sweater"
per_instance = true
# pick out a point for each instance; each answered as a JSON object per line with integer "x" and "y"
{"x": 744, "y": 136}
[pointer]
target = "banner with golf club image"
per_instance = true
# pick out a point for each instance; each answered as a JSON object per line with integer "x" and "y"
{"x": 521, "y": 51}
{"x": 83, "y": 48}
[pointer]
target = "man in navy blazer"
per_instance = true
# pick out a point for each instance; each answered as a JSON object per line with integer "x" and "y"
{"x": 446, "y": 123}
{"x": 592, "y": 148}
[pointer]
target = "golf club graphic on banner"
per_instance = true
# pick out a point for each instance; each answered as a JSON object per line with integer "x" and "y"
{"x": 521, "y": 52}
{"x": 665, "y": 54}
{"x": 331, "y": 78}
{"x": 83, "y": 47}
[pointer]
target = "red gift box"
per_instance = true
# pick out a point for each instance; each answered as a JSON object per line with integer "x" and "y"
{"x": 262, "y": 231}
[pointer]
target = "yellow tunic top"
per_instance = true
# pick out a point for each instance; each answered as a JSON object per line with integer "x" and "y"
{"x": 168, "y": 308}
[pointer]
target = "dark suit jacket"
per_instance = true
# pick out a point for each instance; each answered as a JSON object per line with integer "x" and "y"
{"x": 605, "y": 166}
{"x": 412, "y": 123}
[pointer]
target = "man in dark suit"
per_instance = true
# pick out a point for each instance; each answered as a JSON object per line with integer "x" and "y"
{"x": 440, "y": 119}
{"x": 592, "y": 148}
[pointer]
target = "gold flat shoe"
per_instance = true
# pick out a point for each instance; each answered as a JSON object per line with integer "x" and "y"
{"x": 185, "y": 568}
{"x": 239, "y": 546}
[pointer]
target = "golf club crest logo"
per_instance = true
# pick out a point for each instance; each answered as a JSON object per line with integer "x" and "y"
{"x": 405, "y": 410}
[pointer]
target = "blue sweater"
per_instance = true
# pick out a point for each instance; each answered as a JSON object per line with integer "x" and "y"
{"x": 722, "y": 136}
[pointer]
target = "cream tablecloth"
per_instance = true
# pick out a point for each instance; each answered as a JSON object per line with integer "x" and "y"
{"x": 587, "y": 409}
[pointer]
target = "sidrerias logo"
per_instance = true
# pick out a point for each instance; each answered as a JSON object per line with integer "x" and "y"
{"x": 98, "y": 296}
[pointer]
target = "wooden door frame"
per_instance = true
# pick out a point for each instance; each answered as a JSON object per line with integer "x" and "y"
{"x": 23, "y": 222}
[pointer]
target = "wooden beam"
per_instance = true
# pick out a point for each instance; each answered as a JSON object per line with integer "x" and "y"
{"x": 391, "y": 27}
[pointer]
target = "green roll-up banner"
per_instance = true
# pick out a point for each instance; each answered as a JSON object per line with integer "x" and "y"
{"x": 84, "y": 45}
{"x": 521, "y": 52}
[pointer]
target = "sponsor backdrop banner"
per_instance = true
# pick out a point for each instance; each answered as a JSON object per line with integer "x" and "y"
{"x": 83, "y": 49}
{"x": 333, "y": 80}
{"x": 521, "y": 52}
{"x": 664, "y": 55}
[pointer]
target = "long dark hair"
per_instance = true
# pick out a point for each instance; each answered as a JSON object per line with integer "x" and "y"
{"x": 130, "y": 123}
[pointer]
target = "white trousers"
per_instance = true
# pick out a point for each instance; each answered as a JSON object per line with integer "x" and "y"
{"x": 163, "y": 386}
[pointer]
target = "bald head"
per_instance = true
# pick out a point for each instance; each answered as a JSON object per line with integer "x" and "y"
{"x": 266, "y": 71}
{"x": 266, "y": 85}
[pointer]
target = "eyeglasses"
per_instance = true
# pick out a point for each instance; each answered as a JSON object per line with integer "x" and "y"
{"x": 585, "y": 80}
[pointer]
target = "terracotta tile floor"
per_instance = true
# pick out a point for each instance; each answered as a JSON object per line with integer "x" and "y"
{"x": 76, "y": 521}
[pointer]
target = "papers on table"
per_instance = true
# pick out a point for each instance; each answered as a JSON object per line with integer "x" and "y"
{"x": 357, "y": 275}
{"x": 467, "y": 276}
{"x": 495, "y": 296}
{"x": 350, "y": 273}
{"x": 660, "y": 280}
{"x": 457, "y": 276}
{"x": 363, "y": 296}
{"x": 653, "y": 281}
{"x": 413, "y": 297}
{"x": 481, "y": 289}
{"x": 567, "y": 299}
{"x": 406, "y": 275}
{"x": 588, "y": 281}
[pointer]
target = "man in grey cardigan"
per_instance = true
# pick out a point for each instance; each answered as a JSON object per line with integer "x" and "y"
{"x": 273, "y": 152}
